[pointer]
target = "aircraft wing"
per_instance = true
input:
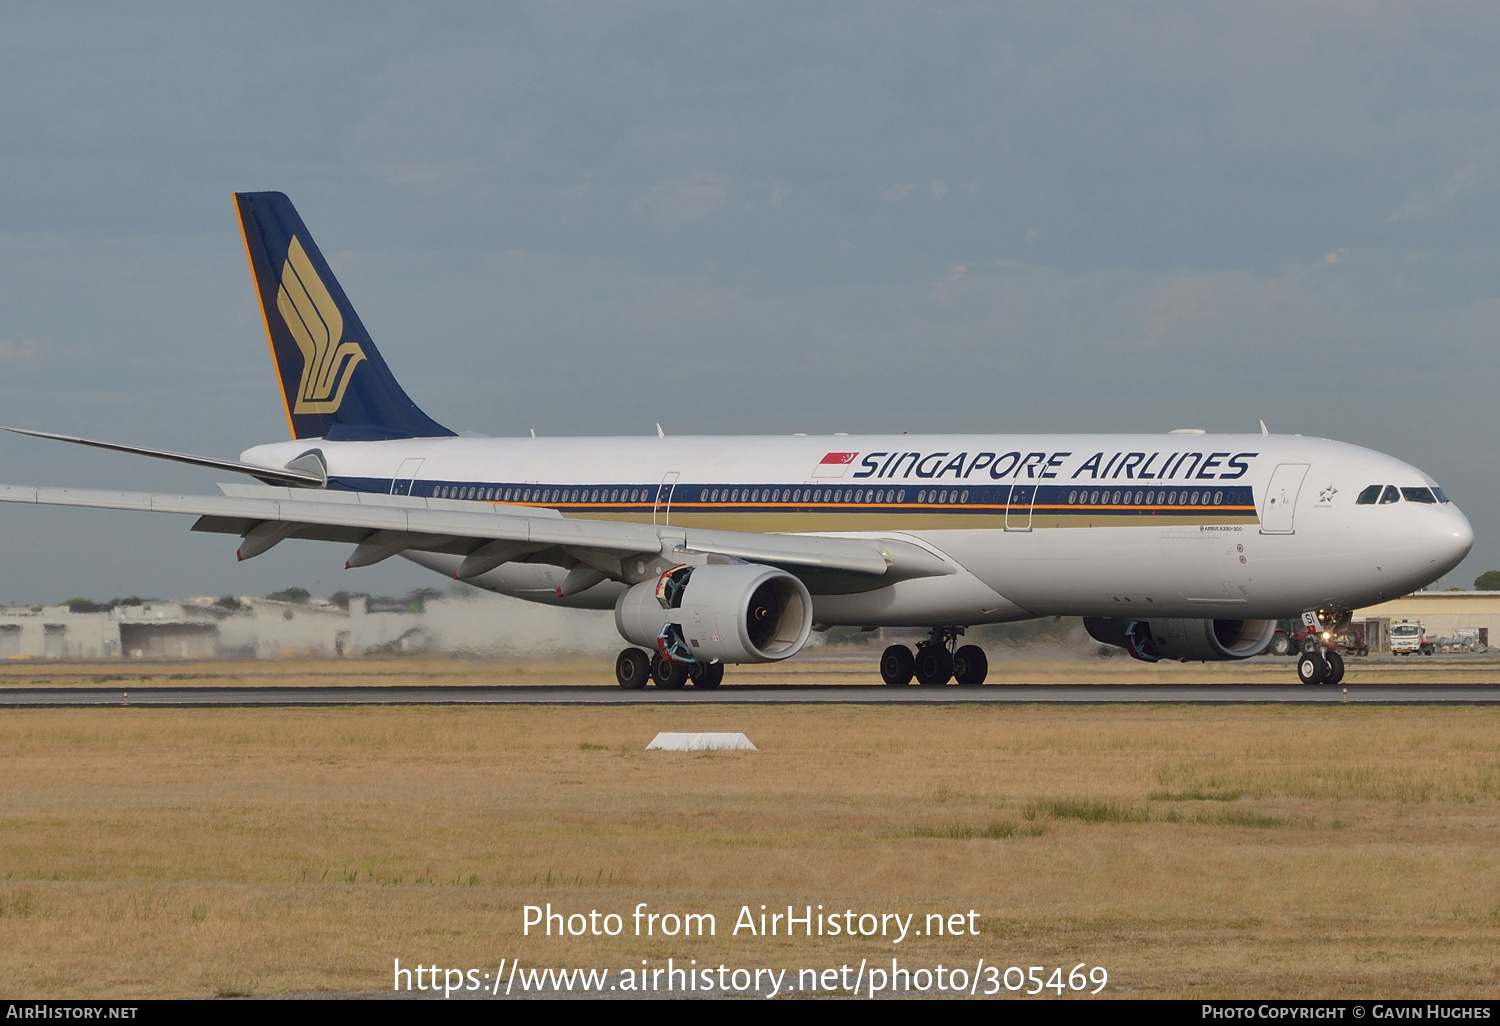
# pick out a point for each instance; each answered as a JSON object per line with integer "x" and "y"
{"x": 381, "y": 526}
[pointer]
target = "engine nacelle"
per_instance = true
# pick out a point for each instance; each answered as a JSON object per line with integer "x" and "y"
{"x": 737, "y": 613}
{"x": 1184, "y": 640}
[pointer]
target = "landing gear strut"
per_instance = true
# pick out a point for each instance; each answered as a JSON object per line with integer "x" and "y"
{"x": 936, "y": 661}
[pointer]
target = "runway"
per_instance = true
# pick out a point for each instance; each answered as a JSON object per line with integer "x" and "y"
{"x": 767, "y": 694}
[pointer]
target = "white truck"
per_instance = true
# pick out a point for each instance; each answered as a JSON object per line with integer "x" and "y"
{"x": 1408, "y": 638}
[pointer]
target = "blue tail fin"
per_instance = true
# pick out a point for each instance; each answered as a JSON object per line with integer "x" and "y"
{"x": 333, "y": 380}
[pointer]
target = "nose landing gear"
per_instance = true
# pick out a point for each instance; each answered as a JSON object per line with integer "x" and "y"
{"x": 1315, "y": 667}
{"x": 1319, "y": 663}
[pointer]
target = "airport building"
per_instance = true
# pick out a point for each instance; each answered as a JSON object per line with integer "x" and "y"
{"x": 252, "y": 628}
{"x": 192, "y": 629}
{"x": 1443, "y": 614}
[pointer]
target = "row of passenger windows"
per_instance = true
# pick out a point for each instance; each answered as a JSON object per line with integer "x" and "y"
{"x": 867, "y": 495}
{"x": 1108, "y": 498}
{"x": 817, "y": 495}
{"x": 1384, "y": 494}
{"x": 729, "y": 495}
{"x": 545, "y": 494}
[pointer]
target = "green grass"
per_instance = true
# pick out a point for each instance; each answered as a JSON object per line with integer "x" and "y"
{"x": 996, "y": 831}
{"x": 1239, "y": 818}
{"x": 1198, "y": 794}
{"x": 1086, "y": 810}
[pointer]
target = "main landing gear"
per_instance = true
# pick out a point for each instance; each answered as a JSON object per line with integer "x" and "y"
{"x": 936, "y": 661}
{"x": 1314, "y": 667}
{"x": 634, "y": 669}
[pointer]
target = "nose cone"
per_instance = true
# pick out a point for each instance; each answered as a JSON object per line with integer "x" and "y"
{"x": 1448, "y": 538}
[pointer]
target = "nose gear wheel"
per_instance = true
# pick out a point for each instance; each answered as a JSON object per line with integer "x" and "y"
{"x": 1311, "y": 669}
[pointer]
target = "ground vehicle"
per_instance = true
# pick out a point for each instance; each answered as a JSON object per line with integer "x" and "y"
{"x": 1464, "y": 639}
{"x": 1407, "y": 638}
{"x": 1292, "y": 638}
{"x": 1286, "y": 641}
{"x": 1353, "y": 640}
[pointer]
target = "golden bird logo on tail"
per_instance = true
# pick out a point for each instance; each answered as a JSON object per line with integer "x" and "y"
{"x": 315, "y": 322}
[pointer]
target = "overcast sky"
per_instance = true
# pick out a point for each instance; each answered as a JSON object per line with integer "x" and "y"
{"x": 584, "y": 218}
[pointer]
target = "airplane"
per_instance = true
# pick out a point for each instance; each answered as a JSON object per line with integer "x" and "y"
{"x": 725, "y": 550}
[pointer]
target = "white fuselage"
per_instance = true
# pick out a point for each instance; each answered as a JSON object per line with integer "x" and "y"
{"x": 1140, "y": 526}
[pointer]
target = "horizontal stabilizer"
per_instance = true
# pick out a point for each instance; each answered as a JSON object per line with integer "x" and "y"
{"x": 300, "y": 477}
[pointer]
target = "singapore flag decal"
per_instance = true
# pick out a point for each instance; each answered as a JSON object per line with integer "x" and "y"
{"x": 835, "y": 464}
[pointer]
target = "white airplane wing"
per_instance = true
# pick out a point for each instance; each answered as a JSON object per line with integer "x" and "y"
{"x": 381, "y": 526}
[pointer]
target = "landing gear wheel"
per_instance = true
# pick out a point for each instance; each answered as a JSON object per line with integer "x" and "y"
{"x": 1335, "y": 669}
{"x": 1311, "y": 669}
{"x": 669, "y": 675}
{"x": 633, "y": 669}
{"x": 707, "y": 675}
{"x": 897, "y": 666}
{"x": 970, "y": 665}
{"x": 1281, "y": 644}
{"x": 934, "y": 665}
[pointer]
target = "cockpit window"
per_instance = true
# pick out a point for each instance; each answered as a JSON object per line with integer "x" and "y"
{"x": 1369, "y": 496}
{"x": 1419, "y": 495}
{"x": 1390, "y": 495}
{"x": 1441, "y": 497}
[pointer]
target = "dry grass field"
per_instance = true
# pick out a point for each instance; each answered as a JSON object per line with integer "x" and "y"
{"x": 1191, "y": 851}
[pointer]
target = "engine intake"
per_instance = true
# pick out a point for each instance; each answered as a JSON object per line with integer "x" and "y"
{"x": 1183, "y": 640}
{"x": 740, "y": 613}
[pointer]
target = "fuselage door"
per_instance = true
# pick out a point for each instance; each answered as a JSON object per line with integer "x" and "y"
{"x": 406, "y": 474}
{"x": 662, "y": 514}
{"x": 1280, "y": 502}
{"x": 1018, "y": 511}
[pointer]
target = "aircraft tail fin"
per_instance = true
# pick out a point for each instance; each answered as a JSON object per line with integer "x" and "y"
{"x": 333, "y": 380}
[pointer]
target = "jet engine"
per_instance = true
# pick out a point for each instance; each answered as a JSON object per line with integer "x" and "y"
{"x": 736, "y": 613}
{"x": 1183, "y": 640}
